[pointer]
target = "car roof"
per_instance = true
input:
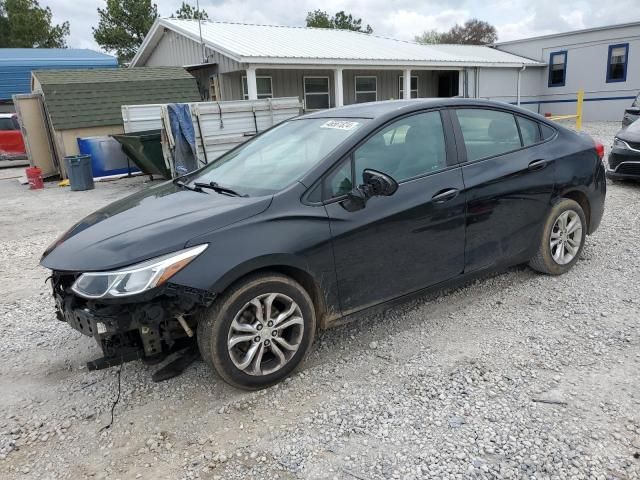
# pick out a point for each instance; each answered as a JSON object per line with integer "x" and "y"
{"x": 384, "y": 108}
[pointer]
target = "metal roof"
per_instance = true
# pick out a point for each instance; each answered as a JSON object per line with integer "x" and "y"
{"x": 94, "y": 97}
{"x": 16, "y": 65}
{"x": 570, "y": 33}
{"x": 35, "y": 57}
{"x": 269, "y": 44}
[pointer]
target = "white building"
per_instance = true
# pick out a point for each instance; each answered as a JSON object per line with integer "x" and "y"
{"x": 603, "y": 61}
{"x": 324, "y": 67}
{"x": 328, "y": 68}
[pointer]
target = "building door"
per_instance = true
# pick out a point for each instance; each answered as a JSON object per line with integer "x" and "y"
{"x": 448, "y": 83}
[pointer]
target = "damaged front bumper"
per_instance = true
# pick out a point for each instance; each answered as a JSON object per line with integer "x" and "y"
{"x": 145, "y": 325}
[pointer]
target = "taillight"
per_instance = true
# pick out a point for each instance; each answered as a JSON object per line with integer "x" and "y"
{"x": 600, "y": 150}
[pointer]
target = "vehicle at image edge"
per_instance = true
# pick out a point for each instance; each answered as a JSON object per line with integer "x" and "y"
{"x": 632, "y": 113}
{"x": 321, "y": 219}
{"x": 11, "y": 141}
{"x": 624, "y": 158}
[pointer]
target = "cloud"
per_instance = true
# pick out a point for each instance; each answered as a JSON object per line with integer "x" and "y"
{"x": 402, "y": 19}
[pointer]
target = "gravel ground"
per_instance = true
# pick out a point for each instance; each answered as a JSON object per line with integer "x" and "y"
{"x": 517, "y": 375}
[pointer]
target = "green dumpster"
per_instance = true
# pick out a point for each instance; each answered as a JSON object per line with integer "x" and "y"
{"x": 145, "y": 150}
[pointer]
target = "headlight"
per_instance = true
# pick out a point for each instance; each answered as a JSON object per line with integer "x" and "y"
{"x": 136, "y": 278}
{"x": 617, "y": 143}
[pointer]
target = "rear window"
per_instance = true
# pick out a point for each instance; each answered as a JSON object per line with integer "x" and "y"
{"x": 7, "y": 123}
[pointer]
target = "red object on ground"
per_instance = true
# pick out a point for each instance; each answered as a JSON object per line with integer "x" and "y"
{"x": 34, "y": 175}
{"x": 547, "y": 114}
{"x": 11, "y": 141}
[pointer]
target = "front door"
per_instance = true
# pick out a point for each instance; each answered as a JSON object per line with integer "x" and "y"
{"x": 410, "y": 240}
{"x": 509, "y": 178}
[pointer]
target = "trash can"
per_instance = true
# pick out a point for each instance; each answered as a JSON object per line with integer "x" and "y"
{"x": 145, "y": 150}
{"x": 79, "y": 171}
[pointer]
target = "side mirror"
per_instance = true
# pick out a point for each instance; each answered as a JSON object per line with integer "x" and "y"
{"x": 375, "y": 184}
{"x": 378, "y": 183}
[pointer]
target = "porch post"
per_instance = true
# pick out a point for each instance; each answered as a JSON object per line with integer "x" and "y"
{"x": 252, "y": 87}
{"x": 406, "y": 84}
{"x": 337, "y": 84}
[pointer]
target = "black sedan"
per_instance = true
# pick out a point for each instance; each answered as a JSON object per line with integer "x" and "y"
{"x": 322, "y": 219}
{"x": 624, "y": 158}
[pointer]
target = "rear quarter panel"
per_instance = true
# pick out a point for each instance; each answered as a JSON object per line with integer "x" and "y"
{"x": 579, "y": 169}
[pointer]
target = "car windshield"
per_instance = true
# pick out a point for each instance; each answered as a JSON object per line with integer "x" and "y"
{"x": 279, "y": 157}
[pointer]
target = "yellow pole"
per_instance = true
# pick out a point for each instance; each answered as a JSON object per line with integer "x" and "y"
{"x": 579, "y": 109}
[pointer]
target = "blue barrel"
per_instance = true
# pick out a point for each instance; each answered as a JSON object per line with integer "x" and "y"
{"x": 79, "y": 172}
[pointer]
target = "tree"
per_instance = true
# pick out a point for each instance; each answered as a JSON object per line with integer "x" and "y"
{"x": 123, "y": 26}
{"x": 428, "y": 37}
{"x": 25, "y": 24}
{"x": 321, "y": 19}
{"x": 473, "y": 32}
{"x": 187, "y": 12}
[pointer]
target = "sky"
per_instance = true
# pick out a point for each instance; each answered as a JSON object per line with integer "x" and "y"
{"x": 401, "y": 19}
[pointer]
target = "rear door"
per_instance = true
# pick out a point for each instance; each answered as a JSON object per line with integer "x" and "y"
{"x": 412, "y": 239}
{"x": 508, "y": 170}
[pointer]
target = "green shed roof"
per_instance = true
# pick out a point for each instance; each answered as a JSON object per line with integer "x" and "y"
{"x": 94, "y": 97}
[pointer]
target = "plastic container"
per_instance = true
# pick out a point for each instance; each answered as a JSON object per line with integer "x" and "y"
{"x": 145, "y": 150}
{"x": 107, "y": 157}
{"x": 34, "y": 175}
{"x": 79, "y": 171}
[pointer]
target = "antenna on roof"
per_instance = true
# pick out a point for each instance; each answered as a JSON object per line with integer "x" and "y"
{"x": 199, "y": 15}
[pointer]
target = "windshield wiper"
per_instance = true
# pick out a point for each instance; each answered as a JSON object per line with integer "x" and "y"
{"x": 181, "y": 184}
{"x": 219, "y": 189}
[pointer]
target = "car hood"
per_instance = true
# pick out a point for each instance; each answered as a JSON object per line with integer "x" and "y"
{"x": 631, "y": 133}
{"x": 153, "y": 222}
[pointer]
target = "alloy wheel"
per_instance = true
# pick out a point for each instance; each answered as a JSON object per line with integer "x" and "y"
{"x": 566, "y": 237}
{"x": 265, "y": 334}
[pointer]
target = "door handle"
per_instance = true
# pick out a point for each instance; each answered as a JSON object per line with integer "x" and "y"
{"x": 445, "y": 195}
{"x": 537, "y": 164}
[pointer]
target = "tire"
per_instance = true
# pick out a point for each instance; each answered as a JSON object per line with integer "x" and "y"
{"x": 228, "y": 330}
{"x": 550, "y": 260}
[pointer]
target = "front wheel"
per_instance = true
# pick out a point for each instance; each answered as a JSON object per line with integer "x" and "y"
{"x": 259, "y": 331}
{"x": 562, "y": 239}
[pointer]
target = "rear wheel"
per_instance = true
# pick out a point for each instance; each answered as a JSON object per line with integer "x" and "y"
{"x": 259, "y": 331}
{"x": 562, "y": 239}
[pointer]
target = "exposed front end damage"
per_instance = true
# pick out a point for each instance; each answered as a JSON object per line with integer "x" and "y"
{"x": 149, "y": 325}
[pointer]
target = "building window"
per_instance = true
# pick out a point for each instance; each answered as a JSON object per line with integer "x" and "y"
{"x": 316, "y": 93}
{"x": 264, "y": 87}
{"x": 366, "y": 89}
{"x": 557, "y": 69}
{"x": 617, "y": 63}
{"x": 414, "y": 87}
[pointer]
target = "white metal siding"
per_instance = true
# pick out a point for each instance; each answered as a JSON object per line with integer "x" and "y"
{"x": 587, "y": 57}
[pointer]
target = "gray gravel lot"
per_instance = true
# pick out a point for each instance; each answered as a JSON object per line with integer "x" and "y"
{"x": 517, "y": 375}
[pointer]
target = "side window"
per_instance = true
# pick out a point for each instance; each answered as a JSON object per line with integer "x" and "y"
{"x": 340, "y": 181}
{"x": 407, "y": 148}
{"x": 547, "y": 131}
{"x": 529, "y": 131}
{"x": 487, "y": 132}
